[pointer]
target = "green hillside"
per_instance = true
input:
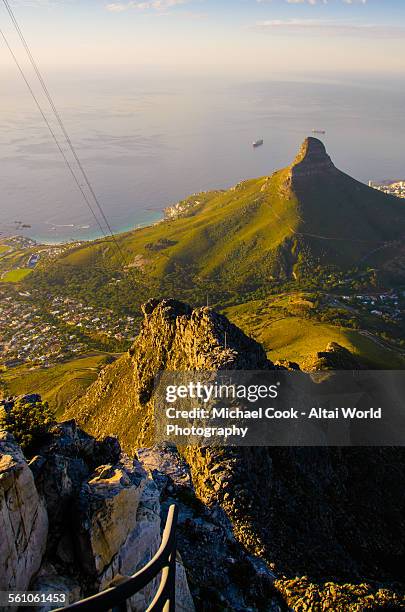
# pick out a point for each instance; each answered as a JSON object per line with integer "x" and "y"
{"x": 267, "y": 230}
{"x": 58, "y": 385}
{"x": 230, "y": 234}
{"x": 15, "y": 276}
{"x": 291, "y": 336}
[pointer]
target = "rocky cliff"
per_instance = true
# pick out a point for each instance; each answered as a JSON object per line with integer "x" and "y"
{"x": 305, "y": 512}
{"x": 312, "y": 160}
{"x": 23, "y": 518}
{"x": 78, "y": 515}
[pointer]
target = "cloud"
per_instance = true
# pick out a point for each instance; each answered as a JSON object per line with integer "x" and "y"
{"x": 156, "y": 5}
{"x": 307, "y": 1}
{"x": 330, "y": 27}
{"x": 313, "y": 2}
{"x": 39, "y": 3}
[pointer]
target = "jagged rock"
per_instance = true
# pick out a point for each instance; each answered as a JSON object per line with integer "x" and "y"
{"x": 61, "y": 466}
{"x": 167, "y": 467}
{"x": 103, "y": 524}
{"x": 106, "y": 513}
{"x": 285, "y": 364}
{"x": 23, "y": 518}
{"x": 69, "y": 440}
{"x": 172, "y": 336}
{"x": 221, "y": 573}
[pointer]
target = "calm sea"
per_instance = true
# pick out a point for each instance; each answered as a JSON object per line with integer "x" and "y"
{"x": 148, "y": 143}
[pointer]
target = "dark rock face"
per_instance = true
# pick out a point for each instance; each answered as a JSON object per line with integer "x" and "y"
{"x": 221, "y": 573}
{"x": 312, "y": 159}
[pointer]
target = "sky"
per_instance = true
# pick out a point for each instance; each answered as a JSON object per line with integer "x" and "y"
{"x": 245, "y": 38}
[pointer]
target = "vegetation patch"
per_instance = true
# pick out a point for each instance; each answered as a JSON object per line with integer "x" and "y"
{"x": 28, "y": 419}
{"x": 15, "y": 276}
{"x": 301, "y": 594}
{"x": 58, "y": 385}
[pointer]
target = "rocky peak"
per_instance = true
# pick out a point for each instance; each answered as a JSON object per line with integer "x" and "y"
{"x": 312, "y": 159}
{"x": 195, "y": 339}
{"x": 174, "y": 337}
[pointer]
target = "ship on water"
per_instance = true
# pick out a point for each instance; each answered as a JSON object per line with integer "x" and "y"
{"x": 258, "y": 143}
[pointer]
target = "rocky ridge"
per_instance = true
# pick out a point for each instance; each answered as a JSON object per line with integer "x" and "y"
{"x": 305, "y": 512}
{"x": 173, "y": 336}
{"x": 334, "y": 357}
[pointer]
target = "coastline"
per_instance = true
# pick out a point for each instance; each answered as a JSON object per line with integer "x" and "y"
{"x": 41, "y": 239}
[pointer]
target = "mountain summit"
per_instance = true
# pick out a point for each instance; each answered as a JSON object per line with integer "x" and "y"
{"x": 312, "y": 159}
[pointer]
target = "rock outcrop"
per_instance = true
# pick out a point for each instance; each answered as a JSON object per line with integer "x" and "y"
{"x": 106, "y": 513}
{"x": 312, "y": 159}
{"x": 23, "y": 518}
{"x": 104, "y": 517}
{"x": 334, "y": 357}
{"x": 221, "y": 572}
{"x": 173, "y": 336}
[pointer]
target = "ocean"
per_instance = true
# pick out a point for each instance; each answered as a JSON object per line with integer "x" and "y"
{"x": 149, "y": 142}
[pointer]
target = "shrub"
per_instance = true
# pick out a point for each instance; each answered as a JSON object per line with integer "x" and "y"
{"x": 27, "y": 421}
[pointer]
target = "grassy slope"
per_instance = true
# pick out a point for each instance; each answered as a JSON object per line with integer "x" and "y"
{"x": 229, "y": 232}
{"x": 15, "y": 276}
{"x": 296, "y": 338}
{"x": 59, "y": 385}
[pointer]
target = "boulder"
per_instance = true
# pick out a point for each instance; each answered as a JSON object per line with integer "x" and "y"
{"x": 334, "y": 357}
{"x": 106, "y": 511}
{"x": 139, "y": 547}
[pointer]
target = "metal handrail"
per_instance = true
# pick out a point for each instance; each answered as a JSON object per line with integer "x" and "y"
{"x": 115, "y": 598}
